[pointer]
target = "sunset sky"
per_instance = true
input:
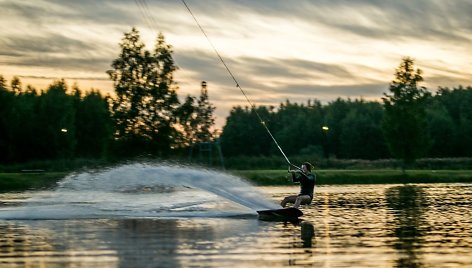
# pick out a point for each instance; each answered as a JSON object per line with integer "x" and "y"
{"x": 278, "y": 50}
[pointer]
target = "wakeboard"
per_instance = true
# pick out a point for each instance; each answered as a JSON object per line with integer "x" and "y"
{"x": 280, "y": 214}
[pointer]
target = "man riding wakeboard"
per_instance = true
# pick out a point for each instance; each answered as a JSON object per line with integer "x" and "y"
{"x": 307, "y": 186}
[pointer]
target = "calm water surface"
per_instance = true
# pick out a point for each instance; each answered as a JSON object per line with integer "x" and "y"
{"x": 424, "y": 225}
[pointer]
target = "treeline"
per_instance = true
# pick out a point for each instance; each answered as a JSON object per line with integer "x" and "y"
{"x": 146, "y": 118}
{"x": 410, "y": 123}
{"x": 63, "y": 123}
{"x": 298, "y": 128}
{"x": 354, "y": 128}
{"x": 52, "y": 124}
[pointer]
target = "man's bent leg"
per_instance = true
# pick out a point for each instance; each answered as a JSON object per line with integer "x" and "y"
{"x": 288, "y": 199}
{"x": 302, "y": 199}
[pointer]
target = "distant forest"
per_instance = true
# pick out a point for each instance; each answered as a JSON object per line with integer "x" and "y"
{"x": 67, "y": 123}
{"x": 147, "y": 118}
{"x": 354, "y": 128}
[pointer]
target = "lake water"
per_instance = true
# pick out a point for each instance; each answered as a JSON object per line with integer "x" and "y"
{"x": 161, "y": 216}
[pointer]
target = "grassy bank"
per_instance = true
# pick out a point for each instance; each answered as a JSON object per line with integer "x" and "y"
{"x": 375, "y": 176}
{"x": 28, "y": 181}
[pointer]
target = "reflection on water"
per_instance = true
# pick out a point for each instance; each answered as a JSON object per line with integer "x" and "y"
{"x": 347, "y": 226}
{"x": 408, "y": 204}
{"x": 307, "y": 233}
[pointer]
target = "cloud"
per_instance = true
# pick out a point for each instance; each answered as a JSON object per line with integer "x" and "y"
{"x": 370, "y": 18}
{"x": 82, "y": 62}
{"x": 249, "y": 69}
{"x": 291, "y": 69}
{"x": 42, "y": 12}
{"x": 203, "y": 65}
{"x": 320, "y": 92}
{"x": 46, "y": 43}
{"x": 394, "y": 20}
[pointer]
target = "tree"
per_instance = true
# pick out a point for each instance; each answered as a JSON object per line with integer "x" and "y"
{"x": 56, "y": 120}
{"x": 16, "y": 85}
{"x": 405, "y": 125}
{"x": 163, "y": 103}
{"x": 127, "y": 78}
{"x": 441, "y": 129}
{"x": 205, "y": 118}
{"x": 243, "y": 133}
{"x": 146, "y": 104}
{"x": 24, "y": 122}
{"x": 335, "y": 113}
{"x": 3, "y": 83}
{"x": 186, "y": 115}
{"x": 361, "y": 135}
{"x": 196, "y": 118}
{"x": 298, "y": 126}
{"x": 458, "y": 104}
{"x": 93, "y": 124}
{"x": 235, "y": 133}
{"x": 6, "y": 101}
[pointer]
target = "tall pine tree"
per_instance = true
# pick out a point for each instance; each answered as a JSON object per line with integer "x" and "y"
{"x": 405, "y": 126}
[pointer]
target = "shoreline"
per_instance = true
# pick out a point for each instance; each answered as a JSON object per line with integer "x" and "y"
{"x": 43, "y": 180}
{"x": 361, "y": 176}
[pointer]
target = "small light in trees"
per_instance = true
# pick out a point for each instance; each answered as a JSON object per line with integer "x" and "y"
{"x": 325, "y": 141}
{"x": 64, "y": 130}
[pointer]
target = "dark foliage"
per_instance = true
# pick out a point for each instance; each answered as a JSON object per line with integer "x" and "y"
{"x": 405, "y": 121}
{"x": 53, "y": 124}
{"x": 144, "y": 119}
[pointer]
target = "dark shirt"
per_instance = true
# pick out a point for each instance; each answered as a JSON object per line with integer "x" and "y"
{"x": 307, "y": 183}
